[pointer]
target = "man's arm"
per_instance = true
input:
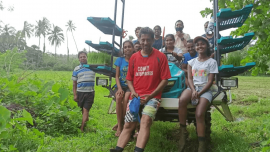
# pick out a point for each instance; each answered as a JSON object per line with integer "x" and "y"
{"x": 165, "y": 74}
{"x": 160, "y": 87}
{"x": 75, "y": 90}
{"x": 131, "y": 88}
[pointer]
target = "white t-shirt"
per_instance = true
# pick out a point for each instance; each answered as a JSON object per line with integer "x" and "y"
{"x": 201, "y": 70}
{"x": 172, "y": 58}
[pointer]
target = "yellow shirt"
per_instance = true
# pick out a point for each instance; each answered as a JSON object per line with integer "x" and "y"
{"x": 180, "y": 44}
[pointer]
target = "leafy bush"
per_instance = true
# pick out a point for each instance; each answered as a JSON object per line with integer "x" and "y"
{"x": 11, "y": 60}
{"x": 55, "y": 111}
{"x": 13, "y": 132}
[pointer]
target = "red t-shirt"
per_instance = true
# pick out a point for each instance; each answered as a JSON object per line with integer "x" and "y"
{"x": 147, "y": 72}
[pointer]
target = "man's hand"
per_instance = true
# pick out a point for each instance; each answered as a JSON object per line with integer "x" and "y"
{"x": 146, "y": 98}
{"x": 180, "y": 34}
{"x": 75, "y": 98}
{"x": 120, "y": 92}
{"x": 134, "y": 94}
{"x": 174, "y": 54}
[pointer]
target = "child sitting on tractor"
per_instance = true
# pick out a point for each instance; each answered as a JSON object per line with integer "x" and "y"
{"x": 201, "y": 72}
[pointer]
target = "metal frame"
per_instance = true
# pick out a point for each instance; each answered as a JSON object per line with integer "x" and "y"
{"x": 224, "y": 104}
{"x": 217, "y": 54}
{"x": 113, "y": 36}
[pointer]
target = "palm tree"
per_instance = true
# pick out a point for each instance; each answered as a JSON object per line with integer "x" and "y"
{"x": 71, "y": 28}
{"x": 67, "y": 47}
{"x": 8, "y": 42}
{"x": 56, "y": 37}
{"x": 27, "y": 30}
{"x": 38, "y": 31}
{"x": 20, "y": 41}
{"x": 8, "y": 30}
{"x": 44, "y": 30}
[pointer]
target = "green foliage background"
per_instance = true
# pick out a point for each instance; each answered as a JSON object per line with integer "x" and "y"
{"x": 258, "y": 22}
{"x": 42, "y": 116}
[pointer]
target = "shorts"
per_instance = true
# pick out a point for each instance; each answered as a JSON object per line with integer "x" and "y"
{"x": 85, "y": 99}
{"x": 149, "y": 109}
{"x": 125, "y": 89}
{"x": 207, "y": 95}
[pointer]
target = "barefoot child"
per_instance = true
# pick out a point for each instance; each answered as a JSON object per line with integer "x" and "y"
{"x": 122, "y": 92}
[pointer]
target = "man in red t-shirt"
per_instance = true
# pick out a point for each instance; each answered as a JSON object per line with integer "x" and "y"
{"x": 148, "y": 74}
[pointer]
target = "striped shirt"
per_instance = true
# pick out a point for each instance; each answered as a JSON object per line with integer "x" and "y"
{"x": 85, "y": 79}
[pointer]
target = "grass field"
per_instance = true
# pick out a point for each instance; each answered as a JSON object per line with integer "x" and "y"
{"x": 250, "y": 108}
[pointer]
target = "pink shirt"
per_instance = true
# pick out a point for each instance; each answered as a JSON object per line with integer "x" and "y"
{"x": 180, "y": 44}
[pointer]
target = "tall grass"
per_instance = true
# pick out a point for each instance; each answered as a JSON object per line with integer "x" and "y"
{"x": 99, "y": 58}
{"x": 233, "y": 58}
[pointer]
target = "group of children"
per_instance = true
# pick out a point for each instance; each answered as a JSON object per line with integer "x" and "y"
{"x": 195, "y": 61}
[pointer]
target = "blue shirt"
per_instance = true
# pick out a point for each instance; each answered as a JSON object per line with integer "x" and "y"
{"x": 187, "y": 57}
{"x": 85, "y": 79}
{"x": 157, "y": 44}
{"x": 123, "y": 65}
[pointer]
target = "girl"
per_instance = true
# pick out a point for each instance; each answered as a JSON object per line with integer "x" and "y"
{"x": 177, "y": 54}
{"x": 201, "y": 72}
{"x": 122, "y": 92}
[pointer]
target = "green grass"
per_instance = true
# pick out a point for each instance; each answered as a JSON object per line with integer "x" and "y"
{"x": 250, "y": 108}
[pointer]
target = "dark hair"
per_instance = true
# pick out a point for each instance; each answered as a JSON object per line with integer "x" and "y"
{"x": 128, "y": 41}
{"x": 178, "y": 21}
{"x": 170, "y": 35}
{"x": 208, "y": 51}
{"x": 206, "y": 22}
{"x": 147, "y": 30}
{"x": 137, "y": 42}
{"x": 190, "y": 41}
{"x": 157, "y": 27}
{"x": 137, "y": 28}
{"x": 81, "y": 53}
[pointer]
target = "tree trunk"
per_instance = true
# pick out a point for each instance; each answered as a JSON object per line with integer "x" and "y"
{"x": 75, "y": 41}
{"x": 39, "y": 43}
{"x": 67, "y": 49}
{"x": 55, "y": 52}
{"x": 44, "y": 45}
{"x": 25, "y": 39}
{"x": 68, "y": 55}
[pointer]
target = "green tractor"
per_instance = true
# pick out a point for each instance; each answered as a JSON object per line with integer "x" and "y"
{"x": 224, "y": 81}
